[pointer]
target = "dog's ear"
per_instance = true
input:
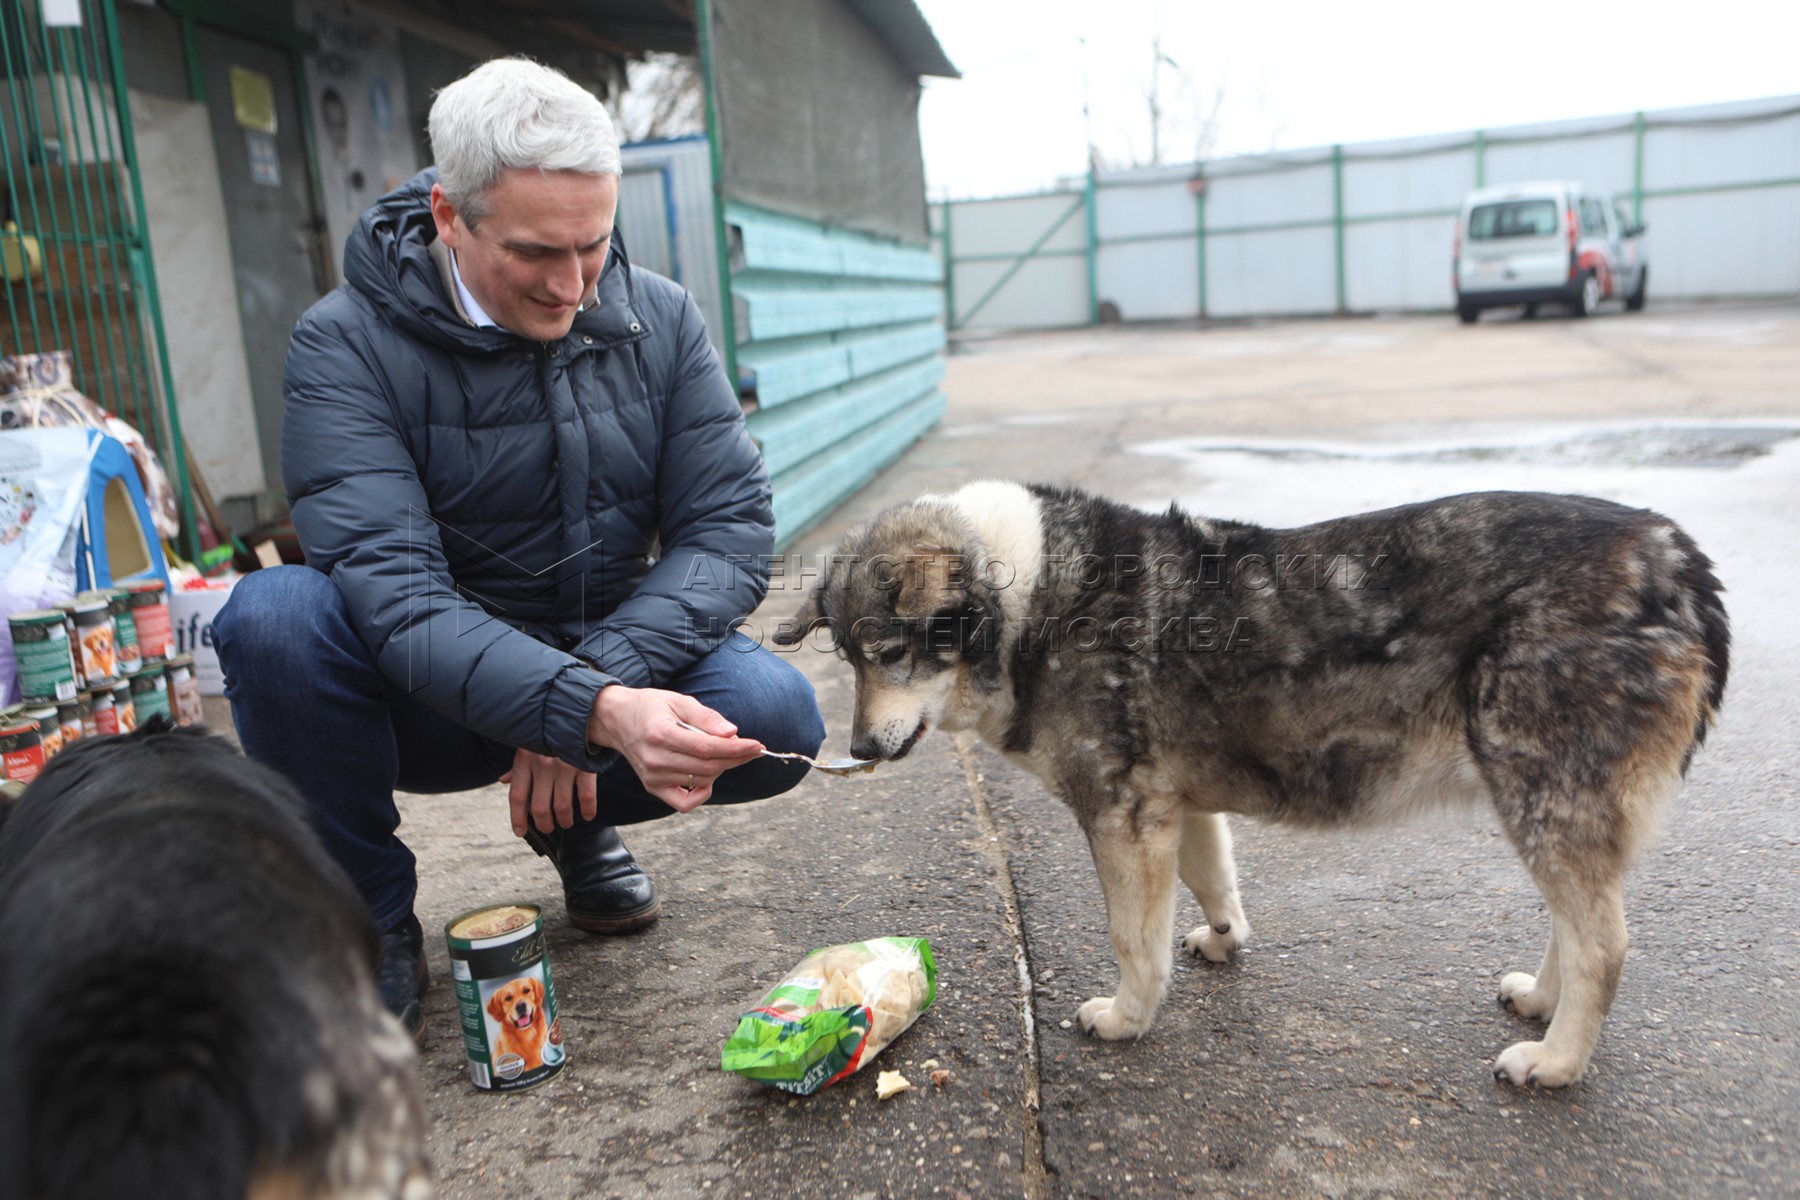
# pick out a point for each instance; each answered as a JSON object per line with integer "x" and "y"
{"x": 931, "y": 579}
{"x": 494, "y": 1009}
{"x": 811, "y": 614}
{"x": 537, "y": 991}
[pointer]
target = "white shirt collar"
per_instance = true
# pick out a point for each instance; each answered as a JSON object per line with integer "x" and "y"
{"x": 470, "y": 305}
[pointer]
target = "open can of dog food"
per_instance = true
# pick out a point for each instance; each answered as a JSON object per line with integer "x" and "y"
{"x": 184, "y": 691}
{"x": 130, "y": 657}
{"x": 150, "y": 615}
{"x": 96, "y": 638}
{"x": 101, "y": 718}
{"x": 68, "y": 716}
{"x": 21, "y": 746}
{"x": 150, "y": 692}
{"x": 124, "y": 709}
{"x": 501, "y": 964}
{"x": 41, "y": 647}
{"x": 49, "y": 728}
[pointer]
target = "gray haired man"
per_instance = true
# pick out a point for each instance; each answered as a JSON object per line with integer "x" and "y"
{"x": 531, "y": 517}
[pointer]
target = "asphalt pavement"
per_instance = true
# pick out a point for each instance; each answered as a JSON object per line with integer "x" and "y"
{"x": 1347, "y": 1050}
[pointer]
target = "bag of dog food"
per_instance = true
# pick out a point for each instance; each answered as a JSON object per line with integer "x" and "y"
{"x": 834, "y": 1012}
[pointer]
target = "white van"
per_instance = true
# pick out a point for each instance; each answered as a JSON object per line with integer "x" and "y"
{"x": 1550, "y": 242}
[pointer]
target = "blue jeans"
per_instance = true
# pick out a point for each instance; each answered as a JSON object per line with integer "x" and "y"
{"x": 309, "y": 701}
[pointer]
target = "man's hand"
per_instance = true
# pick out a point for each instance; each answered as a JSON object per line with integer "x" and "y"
{"x": 676, "y": 765}
{"x": 545, "y": 790}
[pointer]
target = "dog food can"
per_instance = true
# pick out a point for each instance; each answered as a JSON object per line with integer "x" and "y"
{"x": 21, "y": 746}
{"x": 95, "y": 637}
{"x": 508, "y": 1003}
{"x": 124, "y": 711}
{"x": 150, "y": 614}
{"x": 49, "y": 728}
{"x": 68, "y": 612}
{"x": 184, "y": 691}
{"x": 118, "y": 601}
{"x": 150, "y": 693}
{"x": 103, "y": 718}
{"x": 68, "y": 718}
{"x": 41, "y": 646}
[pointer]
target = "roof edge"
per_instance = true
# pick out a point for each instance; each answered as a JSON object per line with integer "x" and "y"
{"x": 906, "y": 32}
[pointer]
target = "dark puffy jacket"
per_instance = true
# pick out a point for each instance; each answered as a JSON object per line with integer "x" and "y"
{"x": 488, "y": 505}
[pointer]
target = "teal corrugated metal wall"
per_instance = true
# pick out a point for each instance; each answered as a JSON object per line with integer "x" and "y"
{"x": 843, "y": 335}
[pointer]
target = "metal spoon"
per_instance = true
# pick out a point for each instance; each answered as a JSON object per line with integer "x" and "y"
{"x": 830, "y": 766}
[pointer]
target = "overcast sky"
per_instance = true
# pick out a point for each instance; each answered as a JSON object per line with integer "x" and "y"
{"x": 1278, "y": 75}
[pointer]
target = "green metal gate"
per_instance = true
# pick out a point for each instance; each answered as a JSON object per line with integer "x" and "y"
{"x": 75, "y": 261}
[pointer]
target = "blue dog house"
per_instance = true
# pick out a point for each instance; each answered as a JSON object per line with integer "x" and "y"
{"x": 118, "y": 542}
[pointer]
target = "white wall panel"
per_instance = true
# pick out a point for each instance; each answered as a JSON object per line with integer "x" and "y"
{"x": 1723, "y": 243}
{"x": 1385, "y": 186}
{"x": 1140, "y": 209}
{"x": 1604, "y": 162}
{"x": 1299, "y": 194}
{"x": 1265, "y": 274}
{"x": 1696, "y": 155}
{"x": 1045, "y": 293}
{"x": 1398, "y": 266}
{"x": 1014, "y": 226}
{"x": 1151, "y": 281}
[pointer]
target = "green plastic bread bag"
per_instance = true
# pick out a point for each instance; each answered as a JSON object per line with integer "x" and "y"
{"x": 836, "y": 1010}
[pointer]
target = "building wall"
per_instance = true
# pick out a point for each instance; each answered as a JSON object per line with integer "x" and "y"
{"x": 817, "y": 117}
{"x": 185, "y": 210}
{"x": 841, "y": 336}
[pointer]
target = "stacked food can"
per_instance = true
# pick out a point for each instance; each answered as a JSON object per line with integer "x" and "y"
{"x": 98, "y": 665}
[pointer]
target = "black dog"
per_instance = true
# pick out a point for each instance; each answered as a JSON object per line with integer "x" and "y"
{"x": 187, "y": 990}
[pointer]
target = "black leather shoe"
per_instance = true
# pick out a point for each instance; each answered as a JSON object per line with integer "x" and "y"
{"x": 604, "y": 889}
{"x": 402, "y": 974}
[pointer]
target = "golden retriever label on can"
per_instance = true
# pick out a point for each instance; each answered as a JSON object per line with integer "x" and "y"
{"x": 505, "y": 996}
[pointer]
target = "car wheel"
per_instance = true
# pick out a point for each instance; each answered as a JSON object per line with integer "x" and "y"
{"x": 1466, "y": 312}
{"x": 1635, "y": 301}
{"x": 1589, "y": 298}
{"x": 1530, "y": 312}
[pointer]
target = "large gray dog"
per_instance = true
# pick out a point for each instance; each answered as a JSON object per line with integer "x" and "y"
{"x": 190, "y": 1009}
{"x": 1559, "y": 657}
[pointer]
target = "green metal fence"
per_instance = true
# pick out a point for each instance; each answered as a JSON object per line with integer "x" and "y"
{"x": 78, "y": 274}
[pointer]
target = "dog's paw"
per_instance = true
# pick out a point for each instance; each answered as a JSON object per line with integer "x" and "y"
{"x": 1101, "y": 1018}
{"x": 1520, "y": 993}
{"x": 1531, "y": 1063}
{"x": 1215, "y": 943}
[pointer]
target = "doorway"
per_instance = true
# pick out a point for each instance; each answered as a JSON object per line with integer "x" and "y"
{"x": 280, "y": 261}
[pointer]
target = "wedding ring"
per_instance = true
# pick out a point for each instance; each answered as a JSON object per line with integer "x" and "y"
{"x": 690, "y": 784}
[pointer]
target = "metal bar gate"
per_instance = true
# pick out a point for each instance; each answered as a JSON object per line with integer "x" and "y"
{"x": 75, "y": 263}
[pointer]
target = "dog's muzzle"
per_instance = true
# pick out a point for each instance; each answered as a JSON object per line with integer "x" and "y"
{"x": 869, "y": 746}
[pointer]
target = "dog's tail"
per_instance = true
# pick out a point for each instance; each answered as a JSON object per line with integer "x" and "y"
{"x": 144, "y": 1088}
{"x": 1700, "y": 587}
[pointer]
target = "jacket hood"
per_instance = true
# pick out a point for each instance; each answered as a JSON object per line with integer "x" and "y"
{"x": 387, "y": 259}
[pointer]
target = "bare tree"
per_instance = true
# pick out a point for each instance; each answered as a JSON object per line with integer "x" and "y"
{"x": 1179, "y": 113}
{"x": 662, "y": 98}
